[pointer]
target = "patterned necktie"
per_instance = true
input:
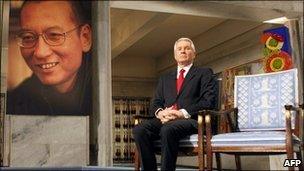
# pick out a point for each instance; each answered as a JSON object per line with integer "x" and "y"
{"x": 180, "y": 80}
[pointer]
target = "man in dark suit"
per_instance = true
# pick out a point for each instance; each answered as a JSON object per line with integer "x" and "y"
{"x": 178, "y": 98}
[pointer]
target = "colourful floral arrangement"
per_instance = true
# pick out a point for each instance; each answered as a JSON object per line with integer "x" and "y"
{"x": 276, "y": 59}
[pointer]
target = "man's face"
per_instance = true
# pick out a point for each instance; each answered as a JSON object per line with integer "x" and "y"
{"x": 54, "y": 65}
{"x": 184, "y": 54}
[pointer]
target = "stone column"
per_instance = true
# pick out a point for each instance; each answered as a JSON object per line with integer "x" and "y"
{"x": 297, "y": 51}
{"x": 102, "y": 83}
{"x": 296, "y": 40}
{"x": 4, "y": 128}
{"x": 4, "y": 23}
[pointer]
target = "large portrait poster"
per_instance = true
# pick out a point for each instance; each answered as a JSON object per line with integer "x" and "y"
{"x": 49, "y": 62}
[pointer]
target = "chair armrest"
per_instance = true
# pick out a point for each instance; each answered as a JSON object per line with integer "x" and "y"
{"x": 289, "y": 142}
{"x": 298, "y": 118}
{"x": 142, "y": 117}
{"x": 224, "y": 113}
{"x": 291, "y": 107}
{"x": 139, "y": 117}
{"x": 217, "y": 113}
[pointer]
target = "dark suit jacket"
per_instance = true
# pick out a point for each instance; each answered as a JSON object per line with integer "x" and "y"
{"x": 197, "y": 92}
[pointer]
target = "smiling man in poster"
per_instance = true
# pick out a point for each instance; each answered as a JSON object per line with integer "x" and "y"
{"x": 55, "y": 42}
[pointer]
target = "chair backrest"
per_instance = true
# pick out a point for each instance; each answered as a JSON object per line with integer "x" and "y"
{"x": 260, "y": 99}
{"x": 217, "y": 87}
{"x": 217, "y": 104}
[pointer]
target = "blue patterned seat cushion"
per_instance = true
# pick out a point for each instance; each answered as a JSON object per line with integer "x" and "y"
{"x": 189, "y": 141}
{"x": 256, "y": 138}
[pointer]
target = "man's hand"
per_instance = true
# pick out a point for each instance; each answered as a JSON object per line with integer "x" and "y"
{"x": 176, "y": 114}
{"x": 164, "y": 115}
{"x": 169, "y": 114}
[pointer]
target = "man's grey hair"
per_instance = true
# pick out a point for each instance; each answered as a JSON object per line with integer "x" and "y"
{"x": 185, "y": 39}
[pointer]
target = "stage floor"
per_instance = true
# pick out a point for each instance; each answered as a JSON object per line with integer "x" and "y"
{"x": 117, "y": 167}
{"x": 76, "y": 168}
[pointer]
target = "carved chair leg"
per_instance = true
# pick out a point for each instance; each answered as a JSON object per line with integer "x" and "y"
{"x": 290, "y": 155}
{"x": 208, "y": 142}
{"x": 299, "y": 156}
{"x": 136, "y": 160}
{"x": 209, "y": 159}
{"x": 201, "y": 161}
{"x": 238, "y": 162}
{"x": 218, "y": 161}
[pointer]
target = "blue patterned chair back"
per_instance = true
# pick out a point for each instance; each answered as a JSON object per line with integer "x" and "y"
{"x": 260, "y": 99}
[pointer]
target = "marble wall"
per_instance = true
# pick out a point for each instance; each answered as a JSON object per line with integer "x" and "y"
{"x": 48, "y": 140}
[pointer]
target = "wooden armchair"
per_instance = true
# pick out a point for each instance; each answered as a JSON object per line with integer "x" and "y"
{"x": 266, "y": 120}
{"x": 189, "y": 146}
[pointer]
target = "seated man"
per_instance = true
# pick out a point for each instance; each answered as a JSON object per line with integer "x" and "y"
{"x": 178, "y": 98}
